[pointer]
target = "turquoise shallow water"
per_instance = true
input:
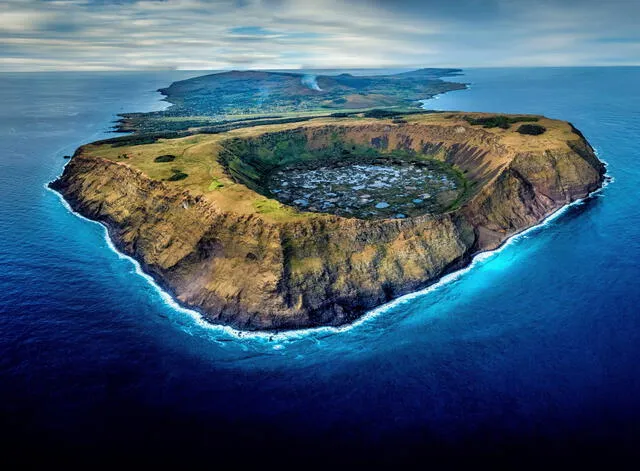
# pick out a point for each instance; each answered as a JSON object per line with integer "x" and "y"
{"x": 536, "y": 347}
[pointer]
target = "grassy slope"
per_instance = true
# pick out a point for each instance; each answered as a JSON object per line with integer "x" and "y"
{"x": 202, "y": 235}
{"x": 197, "y": 157}
{"x": 209, "y": 99}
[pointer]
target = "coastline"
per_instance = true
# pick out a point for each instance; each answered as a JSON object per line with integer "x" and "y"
{"x": 160, "y": 103}
{"x": 275, "y": 336}
{"x": 538, "y": 338}
{"x": 452, "y": 273}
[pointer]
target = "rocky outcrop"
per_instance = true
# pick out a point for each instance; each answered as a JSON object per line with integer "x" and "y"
{"x": 254, "y": 273}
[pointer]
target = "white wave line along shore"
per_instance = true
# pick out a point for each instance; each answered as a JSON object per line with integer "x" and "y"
{"x": 303, "y": 333}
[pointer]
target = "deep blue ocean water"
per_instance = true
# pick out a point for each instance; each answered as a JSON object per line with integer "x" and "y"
{"x": 534, "y": 349}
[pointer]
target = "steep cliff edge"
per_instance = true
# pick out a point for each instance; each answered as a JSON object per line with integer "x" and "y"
{"x": 243, "y": 259}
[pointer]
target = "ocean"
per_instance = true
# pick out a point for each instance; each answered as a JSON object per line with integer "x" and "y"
{"x": 533, "y": 350}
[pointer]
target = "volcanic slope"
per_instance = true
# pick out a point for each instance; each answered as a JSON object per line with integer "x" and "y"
{"x": 206, "y": 216}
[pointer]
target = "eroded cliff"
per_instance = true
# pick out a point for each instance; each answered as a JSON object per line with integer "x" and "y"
{"x": 246, "y": 260}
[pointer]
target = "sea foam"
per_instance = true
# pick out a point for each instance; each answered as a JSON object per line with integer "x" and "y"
{"x": 291, "y": 335}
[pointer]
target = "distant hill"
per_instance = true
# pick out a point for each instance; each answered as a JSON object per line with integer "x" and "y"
{"x": 258, "y": 92}
{"x": 220, "y": 99}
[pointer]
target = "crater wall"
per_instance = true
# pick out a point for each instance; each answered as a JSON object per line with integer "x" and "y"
{"x": 253, "y": 272}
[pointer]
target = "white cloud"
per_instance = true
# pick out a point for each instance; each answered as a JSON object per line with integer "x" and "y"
{"x": 16, "y": 21}
{"x": 78, "y": 34}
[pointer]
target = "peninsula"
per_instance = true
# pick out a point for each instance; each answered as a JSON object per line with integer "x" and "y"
{"x": 292, "y": 223}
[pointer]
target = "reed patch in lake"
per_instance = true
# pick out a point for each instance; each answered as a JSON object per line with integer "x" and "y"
{"x": 368, "y": 190}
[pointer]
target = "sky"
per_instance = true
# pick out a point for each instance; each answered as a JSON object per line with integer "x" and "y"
{"x": 288, "y": 34}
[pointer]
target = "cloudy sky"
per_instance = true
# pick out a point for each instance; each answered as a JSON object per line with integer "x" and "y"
{"x": 241, "y": 34}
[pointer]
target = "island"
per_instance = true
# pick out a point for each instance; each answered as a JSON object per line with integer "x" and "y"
{"x": 290, "y": 224}
{"x": 227, "y": 100}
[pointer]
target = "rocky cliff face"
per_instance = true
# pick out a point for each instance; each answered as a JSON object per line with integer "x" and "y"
{"x": 253, "y": 273}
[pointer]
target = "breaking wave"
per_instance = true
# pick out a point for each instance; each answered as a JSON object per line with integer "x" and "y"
{"x": 276, "y": 337}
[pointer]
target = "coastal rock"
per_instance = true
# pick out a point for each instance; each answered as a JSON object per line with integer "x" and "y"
{"x": 255, "y": 272}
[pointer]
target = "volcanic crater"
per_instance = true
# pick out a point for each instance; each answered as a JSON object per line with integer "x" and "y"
{"x": 289, "y": 226}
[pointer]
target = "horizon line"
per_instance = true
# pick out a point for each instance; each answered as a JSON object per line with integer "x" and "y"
{"x": 277, "y": 69}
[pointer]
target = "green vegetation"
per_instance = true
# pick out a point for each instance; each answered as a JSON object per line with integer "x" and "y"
{"x": 380, "y": 114}
{"x": 465, "y": 185}
{"x": 256, "y": 161}
{"x": 177, "y": 175}
{"x": 165, "y": 158}
{"x": 532, "y": 129}
{"x": 307, "y": 262}
{"x": 498, "y": 121}
{"x": 152, "y": 137}
{"x": 250, "y": 161}
{"x": 138, "y": 139}
{"x": 267, "y": 206}
{"x": 250, "y": 157}
{"x": 216, "y": 184}
{"x": 223, "y": 99}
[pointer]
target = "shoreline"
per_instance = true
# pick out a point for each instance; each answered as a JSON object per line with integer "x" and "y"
{"x": 462, "y": 267}
{"x": 273, "y": 336}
